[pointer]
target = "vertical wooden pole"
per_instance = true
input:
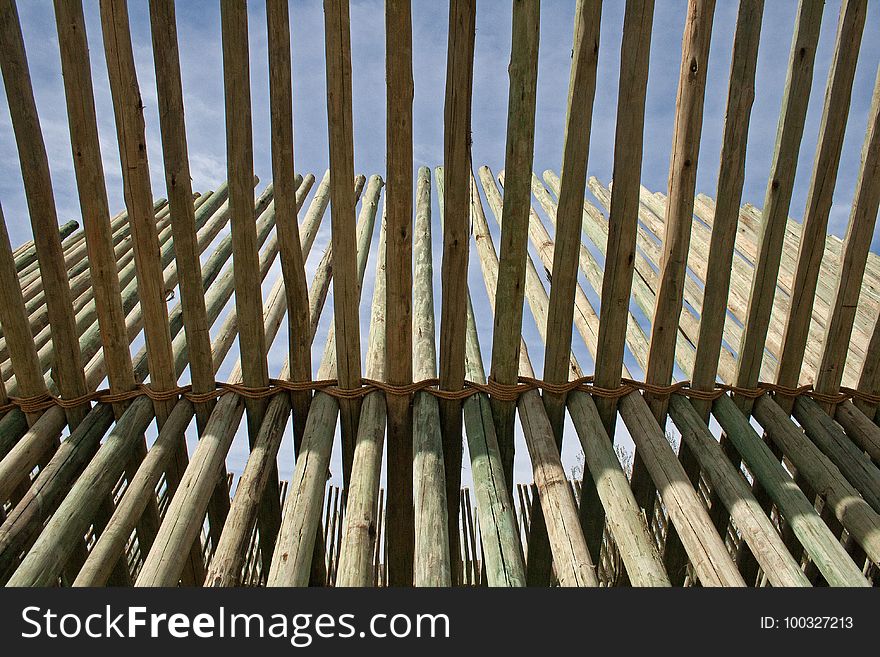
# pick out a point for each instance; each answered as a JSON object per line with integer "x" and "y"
{"x": 398, "y": 331}
{"x": 292, "y": 263}
{"x": 676, "y": 246}
{"x": 456, "y": 243}
{"x": 432, "y": 557}
{"x": 779, "y": 190}
{"x": 507, "y": 328}
{"x": 337, "y": 43}
{"x": 130, "y": 129}
{"x": 815, "y": 224}
{"x": 635, "y": 50}
{"x": 560, "y": 314}
{"x": 862, "y": 218}
{"x": 68, "y": 371}
{"x": 245, "y": 255}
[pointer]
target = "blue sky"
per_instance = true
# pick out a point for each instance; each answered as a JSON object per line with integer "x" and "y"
{"x": 199, "y": 32}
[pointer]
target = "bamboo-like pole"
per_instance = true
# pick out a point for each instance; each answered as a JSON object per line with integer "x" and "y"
{"x": 850, "y": 509}
{"x": 676, "y": 246}
{"x": 779, "y": 191}
{"x": 93, "y": 196}
{"x": 863, "y": 216}
{"x": 454, "y": 264}
{"x": 823, "y": 547}
{"x": 292, "y": 258}
{"x": 345, "y": 288}
{"x": 68, "y": 369}
{"x": 820, "y": 195}
{"x": 432, "y": 563}
{"x": 827, "y": 435}
{"x": 519, "y": 153}
{"x": 399, "y": 324}
{"x": 111, "y": 543}
{"x": 354, "y": 565}
{"x": 292, "y": 558}
{"x": 731, "y": 176}
{"x": 226, "y": 562}
{"x": 138, "y": 197}
{"x": 732, "y": 490}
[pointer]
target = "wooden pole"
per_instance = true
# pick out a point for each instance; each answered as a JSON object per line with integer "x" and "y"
{"x": 398, "y": 328}
{"x": 138, "y": 197}
{"x": 345, "y": 288}
{"x": 292, "y": 558}
{"x": 863, "y": 216}
{"x": 676, "y": 245}
{"x": 507, "y": 329}
{"x": 41, "y": 206}
{"x": 354, "y": 566}
{"x": 823, "y": 547}
{"x": 292, "y": 260}
{"x": 622, "y": 229}
{"x": 433, "y": 559}
{"x": 454, "y": 264}
{"x": 820, "y": 194}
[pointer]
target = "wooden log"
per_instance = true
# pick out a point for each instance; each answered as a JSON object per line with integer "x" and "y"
{"x": 227, "y": 562}
{"x": 41, "y": 206}
{"x": 864, "y": 432}
{"x": 453, "y": 268}
{"x": 248, "y": 296}
{"x": 177, "y": 177}
{"x": 707, "y": 552}
{"x": 292, "y": 558}
{"x": 16, "y": 331}
{"x": 111, "y": 543}
{"x": 565, "y": 539}
{"x": 503, "y": 559}
{"x": 731, "y": 176}
{"x": 623, "y": 220}
{"x": 853, "y": 512}
{"x": 560, "y": 313}
{"x": 863, "y": 216}
{"x": 49, "y": 487}
{"x": 506, "y": 331}
{"x": 779, "y": 190}
{"x": 399, "y": 325}
{"x": 128, "y": 111}
{"x": 354, "y": 565}
{"x": 345, "y": 290}
{"x": 822, "y": 546}
{"x": 92, "y": 190}
{"x": 26, "y": 254}
{"x": 820, "y": 194}
{"x": 827, "y": 435}
{"x": 47, "y": 557}
{"x": 733, "y": 492}
{"x": 623, "y": 224}
{"x": 292, "y": 263}
{"x": 29, "y": 515}
{"x": 625, "y": 520}
{"x": 432, "y": 555}
{"x": 676, "y": 246}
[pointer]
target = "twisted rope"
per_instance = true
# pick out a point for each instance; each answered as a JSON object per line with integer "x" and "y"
{"x": 499, "y": 391}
